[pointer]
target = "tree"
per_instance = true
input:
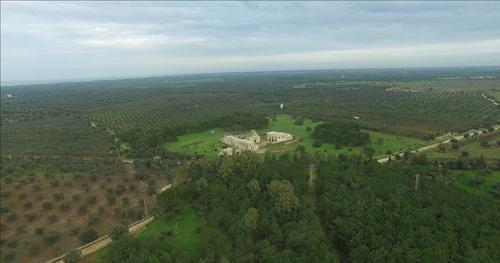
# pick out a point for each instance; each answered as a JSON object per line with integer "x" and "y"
{"x": 441, "y": 147}
{"x": 368, "y": 152}
{"x": 283, "y": 196}
{"x": 250, "y": 219}
{"x": 51, "y": 237}
{"x": 465, "y": 153}
{"x": 308, "y": 129}
{"x": 316, "y": 144}
{"x": 455, "y": 146}
{"x": 88, "y": 235}
{"x": 118, "y": 231}
{"x": 72, "y": 257}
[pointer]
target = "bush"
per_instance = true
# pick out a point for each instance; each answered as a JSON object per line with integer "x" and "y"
{"x": 93, "y": 219}
{"x": 73, "y": 231}
{"x": 12, "y": 243}
{"x": 37, "y": 187}
{"x": 455, "y": 146}
{"x": 8, "y": 180}
{"x": 52, "y": 218}
{"x": 51, "y": 237}
{"x": 46, "y": 205}
{"x": 39, "y": 230}
{"x": 118, "y": 231}
{"x": 27, "y": 205}
{"x": 465, "y": 153}
{"x": 75, "y": 197}
{"x": 91, "y": 199}
{"x": 82, "y": 209}
{"x": 11, "y": 216}
{"x": 316, "y": 144}
{"x": 88, "y": 235}
{"x": 20, "y": 229}
{"x": 9, "y": 256}
{"x": 65, "y": 206}
{"x": 58, "y": 196}
{"x": 72, "y": 257}
{"x": 30, "y": 216}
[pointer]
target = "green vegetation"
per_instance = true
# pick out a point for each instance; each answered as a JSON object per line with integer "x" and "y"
{"x": 184, "y": 229}
{"x": 205, "y": 143}
{"x": 473, "y": 149}
{"x": 476, "y": 181}
{"x": 341, "y": 133}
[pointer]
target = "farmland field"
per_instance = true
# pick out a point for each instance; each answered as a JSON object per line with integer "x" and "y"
{"x": 45, "y": 211}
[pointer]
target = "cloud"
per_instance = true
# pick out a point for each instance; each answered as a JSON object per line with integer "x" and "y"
{"x": 39, "y": 39}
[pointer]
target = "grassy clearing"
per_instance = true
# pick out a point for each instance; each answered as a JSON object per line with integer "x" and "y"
{"x": 186, "y": 227}
{"x": 463, "y": 179}
{"x": 381, "y": 142}
{"x": 186, "y": 236}
{"x": 207, "y": 143}
{"x": 490, "y": 154}
{"x": 204, "y": 142}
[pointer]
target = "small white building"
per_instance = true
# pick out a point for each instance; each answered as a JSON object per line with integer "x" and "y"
{"x": 275, "y": 137}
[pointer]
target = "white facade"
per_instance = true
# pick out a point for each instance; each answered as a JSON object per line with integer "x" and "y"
{"x": 275, "y": 137}
{"x": 240, "y": 144}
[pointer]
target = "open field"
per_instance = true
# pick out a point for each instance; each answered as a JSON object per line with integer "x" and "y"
{"x": 207, "y": 143}
{"x": 63, "y": 206}
{"x": 472, "y": 147}
{"x": 465, "y": 180}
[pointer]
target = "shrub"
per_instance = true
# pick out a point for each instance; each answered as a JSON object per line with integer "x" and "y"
{"x": 455, "y": 146}
{"x": 39, "y": 230}
{"x": 51, "y": 237}
{"x": 111, "y": 198}
{"x": 33, "y": 248}
{"x": 52, "y": 218}
{"x": 75, "y": 197}
{"x": 100, "y": 209}
{"x": 120, "y": 189}
{"x": 91, "y": 199}
{"x": 316, "y": 144}
{"x": 8, "y": 180}
{"x": 9, "y": 256}
{"x": 88, "y": 235}
{"x": 65, "y": 206}
{"x": 12, "y": 243}
{"x": 30, "y": 216}
{"x": 118, "y": 231}
{"x": 47, "y": 205}
{"x": 27, "y": 205}
{"x": 22, "y": 196}
{"x": 58, "y": 196}
{"x": 72, "y": 257}
{"x": 11, "y": 216}
{"x": 465, "y": 153}
{"x": 82, "y": 209}
{"x": 20, "y": 229}
{"x": 73, "y": 231}
{"x": 92, "y": 219}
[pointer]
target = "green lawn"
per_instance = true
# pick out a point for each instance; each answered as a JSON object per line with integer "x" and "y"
{"x": 381, "y": 142}
{"x": 474, "y": 149}
{"x": 186, "y": 227}
{"x": 463, "y": 179}
{"x": 207, "y": 143}
{"x": 204, "y": 142}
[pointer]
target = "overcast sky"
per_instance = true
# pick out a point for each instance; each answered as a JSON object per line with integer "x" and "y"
{"x": 91, "y": 40}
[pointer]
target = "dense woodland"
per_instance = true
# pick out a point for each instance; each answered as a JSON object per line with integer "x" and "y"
{"x": 341, "y": 133}
{"x": 355, "y": 211}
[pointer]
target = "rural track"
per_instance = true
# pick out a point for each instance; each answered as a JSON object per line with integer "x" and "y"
{"x": 433, "y": 146}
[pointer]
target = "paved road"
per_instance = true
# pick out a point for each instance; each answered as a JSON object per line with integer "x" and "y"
{"x": 435, "y": 145}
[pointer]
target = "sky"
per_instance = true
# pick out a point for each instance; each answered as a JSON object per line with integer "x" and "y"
{"x": 98, "y": 40}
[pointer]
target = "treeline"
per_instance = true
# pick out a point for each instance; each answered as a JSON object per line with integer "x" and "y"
{"x": 341, "y": 133}
{"x": 374, "y": 214}
{"x": 147, "y": 142}
{"x": 267, "y": 211}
